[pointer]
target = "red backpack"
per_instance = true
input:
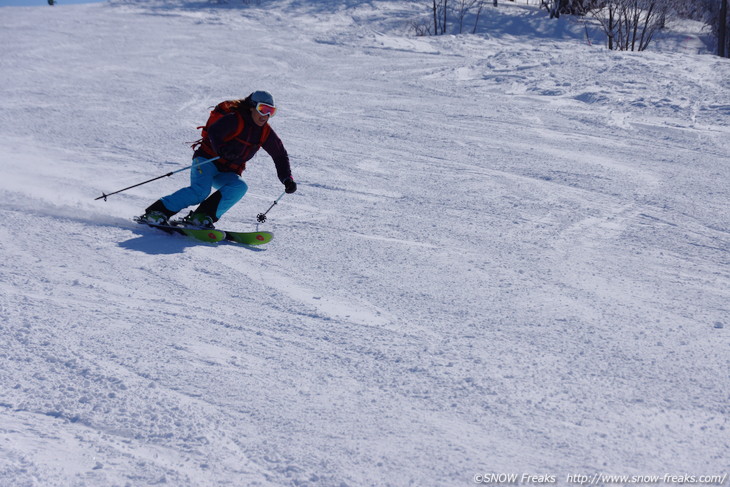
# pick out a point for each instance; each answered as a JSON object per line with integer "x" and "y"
{"x": 222, "y": 109}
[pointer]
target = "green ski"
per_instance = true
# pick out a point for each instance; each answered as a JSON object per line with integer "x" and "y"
{"x": 212, "y": 235}
{"x": 204, "y": 235}
{"x": 249, "y": 238}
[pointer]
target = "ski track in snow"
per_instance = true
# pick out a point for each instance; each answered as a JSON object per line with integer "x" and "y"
{"x": 509, "y": 252}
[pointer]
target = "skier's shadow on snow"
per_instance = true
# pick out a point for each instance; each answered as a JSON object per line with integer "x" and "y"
{"x": 160, "y": 244}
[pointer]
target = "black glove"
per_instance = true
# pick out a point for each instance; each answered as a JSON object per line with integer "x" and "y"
{"x": 289, "y": 185}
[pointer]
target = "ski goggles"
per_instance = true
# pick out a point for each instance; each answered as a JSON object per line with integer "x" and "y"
{"x": 265, "y": 110}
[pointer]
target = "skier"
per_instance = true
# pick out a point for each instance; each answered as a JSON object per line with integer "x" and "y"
{"x": 235, "y": 137}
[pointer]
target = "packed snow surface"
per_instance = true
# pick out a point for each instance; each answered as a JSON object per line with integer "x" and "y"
{"x": 509, "y": 252}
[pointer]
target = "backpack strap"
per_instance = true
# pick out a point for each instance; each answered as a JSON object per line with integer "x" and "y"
{"x": 264, "y": 134}
{"x": 266, "y": 130}
{"x": 239, "y": 128}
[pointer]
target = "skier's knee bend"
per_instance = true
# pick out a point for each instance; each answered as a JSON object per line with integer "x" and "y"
{"x": 242, "y": 188}
{"x": 199, "y": 196}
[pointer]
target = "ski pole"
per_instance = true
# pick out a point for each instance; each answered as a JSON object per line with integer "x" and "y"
{"x": 104, "y": 195}
{"x": 261, "y": 217}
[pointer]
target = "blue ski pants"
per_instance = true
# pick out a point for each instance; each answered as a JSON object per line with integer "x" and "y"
{"x": 202, "y": 178}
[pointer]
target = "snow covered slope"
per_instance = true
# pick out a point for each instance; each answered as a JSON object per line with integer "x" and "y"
{"x": 509, "y": 252}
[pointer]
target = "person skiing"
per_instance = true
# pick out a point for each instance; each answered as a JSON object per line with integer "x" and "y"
{"x": 234, "y": 134}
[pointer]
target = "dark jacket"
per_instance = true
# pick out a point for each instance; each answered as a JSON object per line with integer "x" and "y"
{"x": 236, "y": 152}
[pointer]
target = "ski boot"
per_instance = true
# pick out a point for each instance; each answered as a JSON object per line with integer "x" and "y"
{"x": 154, "y": 218}
{"x": 198, "y": 220}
